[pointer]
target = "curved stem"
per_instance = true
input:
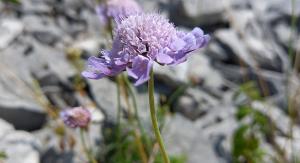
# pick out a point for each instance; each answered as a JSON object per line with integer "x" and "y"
{"x": 140, "y": 146}
{"x": 154, "y": 118}
{"x": 85, "y": 148}
{"x": 136, "y": 113}
{"x": 119, "y": 102}
{"x": 131, "y": 119}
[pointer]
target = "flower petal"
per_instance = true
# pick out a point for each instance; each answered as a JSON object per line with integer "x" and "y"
{"x": 140, "y": 70}
{"x": 92, "y": 75}
{"x": 193, "y": 41}
{"x": 131, "y": 73}
{"x": 197, "y": 32}
{"x": 163, "y": 58}
{"x": 190, "y": 41}
{"x": 99, "y": 64}
{"x": 177, "y": 45}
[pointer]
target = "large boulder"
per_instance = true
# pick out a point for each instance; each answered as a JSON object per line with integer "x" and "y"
{"x": 19, "y": 146}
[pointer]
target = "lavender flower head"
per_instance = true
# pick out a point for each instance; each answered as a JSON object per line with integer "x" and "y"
{"x": 117, "y": 9}
{"x": 76, "y": 117}
{"x": 141, "y": 40}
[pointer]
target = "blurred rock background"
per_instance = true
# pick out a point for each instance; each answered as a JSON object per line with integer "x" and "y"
{"x": 251, "y": 62}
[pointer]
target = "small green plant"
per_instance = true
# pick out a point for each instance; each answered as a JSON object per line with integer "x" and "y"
{"x": 12, "y": 1}
{"x": 251, "y": 91}
{"x": 246, "y": 146}
{"x": 173, "y": 159}
{"x": 255, "y": 127}
{"x": 246, "y": 139}
{"x": 121, "y": 146}
{"x": 2, "y": 155}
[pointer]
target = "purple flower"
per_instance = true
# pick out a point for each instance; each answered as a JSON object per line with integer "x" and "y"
{"x": 76, "y": 117}
{"x": 141, "y": 40}
{"x": 117, "y": 9}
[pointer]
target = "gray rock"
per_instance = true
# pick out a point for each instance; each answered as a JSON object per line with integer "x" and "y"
{"x": 289, "y": 146}
{"x": 282, "y": 122}
{"x": 36, "y": 7}
{"x": 208, "y": 139}
{"x": 219, "y": 120}
{"x": 182, "y": 137}
{"x": 284, "y": 7}
{"x": 52, "y": 144}
{"x": 195, "y": 103}
{"x": 196, "y": 69}
{"x": 282, "y": 31}
{"x": 46, "y": 37}
{"x": 155, "y": 5}
{"x": 200, "y": 69}
{"x": 218, "y": 125}
{"x": 105, "y": 93}
{"x": 1, "y": 6}
{"x": 74, "y": 4}
{"x": 188, "y": 106}
{"x": 68, "y": 148}
{"x": 171, "y": 75}
{"x": 18, "y": 99}
{"x": 72, "y": 29}
{"x": 196, "y": 12}
{"x": 273, "y": 82}
{"x": 9, "y": 30}
{"x": 52, "y": 155}
{"x": 280, "y": 118}
{"x": 94, "y": 26}
{"x": 19, "y": 146}
{"x": 90, "y": 45}
{"x": 5, "y": 127}
{"x": 43, "y": 64}
{"x": 47, "y": 58}
{"x": 257, "y": 38}
{"x": 238, "y": 51}
{"x": 150, "y": 5}
{"x": 216, "y": 52}
{"x": 43, "y": 29}
{"x": 144, "y": 109}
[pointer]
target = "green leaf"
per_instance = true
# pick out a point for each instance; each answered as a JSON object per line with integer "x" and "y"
{"x": 2, "y": 155}
{"x": 178, "y": 159}
{"x": 251, "y": 90}
{"x": 12, "y": 1}
{"x": 263, "y": 122}
{"x": 173, "y": 159}
{"x": 239, "y": 141}
{"x": 243, "y": 111}
{"x": 246, "y": 146}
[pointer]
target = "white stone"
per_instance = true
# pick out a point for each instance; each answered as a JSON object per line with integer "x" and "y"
{"x": 9, "y": 30}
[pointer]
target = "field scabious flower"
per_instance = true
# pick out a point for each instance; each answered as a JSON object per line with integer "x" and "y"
{"x": 117, "y": 10}
{"x": 76, "y": 117}
{"x": 139, "y": 41}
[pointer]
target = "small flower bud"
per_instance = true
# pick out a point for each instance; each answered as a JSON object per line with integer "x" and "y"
{"x": 76, "y": 117}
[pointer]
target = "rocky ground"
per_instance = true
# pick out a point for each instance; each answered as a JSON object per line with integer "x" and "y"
{"x": 250, "y": 41}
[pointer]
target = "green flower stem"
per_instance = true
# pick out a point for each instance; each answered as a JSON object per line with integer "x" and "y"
{"x": 136, "y": 113}
{"x": 154, "y": 118}
{"x": 85, "y": 148}
{"x": 118, "y": 128}
{"x": 119, "y": 100}
{"x": 140, "y": 146}
{"x": 131, "y": 119}
{"x": 140, "y": 130}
